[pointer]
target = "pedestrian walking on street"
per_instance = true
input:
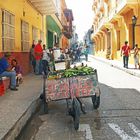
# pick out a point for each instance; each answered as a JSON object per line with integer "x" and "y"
{"x": 38, "y": 52}
{"x": 86, "y": 53}
{"x": 136, "y": 56}
{"x": 78, "y": 53}
{"x": 125, "y": 51}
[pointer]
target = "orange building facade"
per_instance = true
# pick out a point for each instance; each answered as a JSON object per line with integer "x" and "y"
{"x": 64, "y": 39}
{"x": 66, "y": 19}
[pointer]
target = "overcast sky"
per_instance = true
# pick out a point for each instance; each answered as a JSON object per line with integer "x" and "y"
{"x": 83, "y": 15}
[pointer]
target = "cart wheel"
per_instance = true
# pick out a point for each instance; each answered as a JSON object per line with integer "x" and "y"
{"x": 76, "y": 113}
{"x": 96, "y": 101}
{"x": 46, "y": 107}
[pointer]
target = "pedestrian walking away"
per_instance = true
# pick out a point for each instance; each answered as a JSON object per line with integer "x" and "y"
{"x": 125, "y": 51}
{"x": 86, "y": 53}
{"x": 78, "y": 53}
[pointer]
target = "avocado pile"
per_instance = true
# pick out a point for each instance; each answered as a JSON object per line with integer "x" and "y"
{"x": 78, "y": 71}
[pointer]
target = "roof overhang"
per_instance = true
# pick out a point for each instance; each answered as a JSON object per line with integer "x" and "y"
{"x": 45, "y": 7}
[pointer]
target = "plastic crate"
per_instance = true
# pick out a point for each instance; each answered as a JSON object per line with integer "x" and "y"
{"x": 2, "y": 89}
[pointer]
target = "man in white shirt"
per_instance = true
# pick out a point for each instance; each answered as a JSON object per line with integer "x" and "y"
{"x": 45, "y": 60}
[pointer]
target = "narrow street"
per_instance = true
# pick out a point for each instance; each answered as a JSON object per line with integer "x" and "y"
{"x": 37, "y": 34}
{"x": 118, "y": 117}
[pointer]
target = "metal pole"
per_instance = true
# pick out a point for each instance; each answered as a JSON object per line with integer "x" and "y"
{"x": 133, "y": 35}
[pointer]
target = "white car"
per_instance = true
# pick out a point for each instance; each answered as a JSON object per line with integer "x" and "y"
{"x": 57, "y": 54}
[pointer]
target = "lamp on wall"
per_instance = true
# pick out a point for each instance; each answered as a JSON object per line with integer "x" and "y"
{"x": 134, "y": 20}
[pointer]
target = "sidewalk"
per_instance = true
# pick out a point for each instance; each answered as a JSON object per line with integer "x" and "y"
{"x": 16, "y": 107}
{"x": 119, "y": 65}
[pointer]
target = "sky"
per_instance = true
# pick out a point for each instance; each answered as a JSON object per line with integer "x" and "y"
{"x": 83, "y": 15}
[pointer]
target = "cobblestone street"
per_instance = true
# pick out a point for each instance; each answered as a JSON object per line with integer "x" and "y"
{"x": 118, "y": 117}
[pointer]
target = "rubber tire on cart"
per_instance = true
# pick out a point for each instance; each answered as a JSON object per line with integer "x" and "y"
{"x": 96, "y": 101}
{"x": 46, "y": 107}
{"x": 76, "y": 113}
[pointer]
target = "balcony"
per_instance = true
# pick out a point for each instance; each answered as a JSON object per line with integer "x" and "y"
{"x": 67, "y": 31}
{"x": 94, "y": 22}
{"x": 67, "y": 28}
{"x": 95, "y": 3}
{"x": 122, "y": 3}
{"x": 112, "y": 13}
{"x": 63, "y": 19}
{"x": 68, "y": 14}
{"x": 45, "y": 7}
{"x": 98, "y": 14}
{"x": 101, "y": 23}
{"x": 101, "y": 7}
{"x": 105, "y": 1}
{"x": 93, "y": 8}
{"x": 95, "y": 19}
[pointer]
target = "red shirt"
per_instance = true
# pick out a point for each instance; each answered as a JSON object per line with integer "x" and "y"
{"x": 38, "y": 52}
{"x": 126, "y": 50}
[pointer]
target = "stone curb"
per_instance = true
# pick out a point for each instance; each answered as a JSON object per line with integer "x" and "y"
{"x": 16, "y": 129}
{"x": 120, "y": 68}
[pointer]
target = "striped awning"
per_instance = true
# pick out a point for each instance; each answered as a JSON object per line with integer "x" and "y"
{"x": 45, "y": 7}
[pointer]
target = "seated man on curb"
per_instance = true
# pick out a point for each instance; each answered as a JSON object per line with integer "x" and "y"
{"x": 5, "y": 71}
{"x": 16, "y": 67}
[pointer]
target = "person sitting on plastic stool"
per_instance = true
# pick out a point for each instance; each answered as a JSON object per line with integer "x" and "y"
{"x": 5, "y": 71}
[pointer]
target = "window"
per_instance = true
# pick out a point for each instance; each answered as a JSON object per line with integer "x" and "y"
{"x": 8, "y": 31}
{"x": 35, "y": 34}
{"x": 25, "y": 36}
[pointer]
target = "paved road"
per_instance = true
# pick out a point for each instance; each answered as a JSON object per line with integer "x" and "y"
{"x": 118, "y": 117}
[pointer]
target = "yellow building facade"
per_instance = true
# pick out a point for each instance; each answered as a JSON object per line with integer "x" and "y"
{"x": 112, "y": 26}
{"x": 21, "y": 22}
{"x": 20, "y": 14}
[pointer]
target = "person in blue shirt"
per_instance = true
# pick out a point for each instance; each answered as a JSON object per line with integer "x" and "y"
{"x": 5, "y": 71}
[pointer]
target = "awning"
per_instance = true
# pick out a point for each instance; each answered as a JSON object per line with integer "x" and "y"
{"x": 45, "y": 7}
{"x": 57, "y": 20}
{"x": 52, "y": 25}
